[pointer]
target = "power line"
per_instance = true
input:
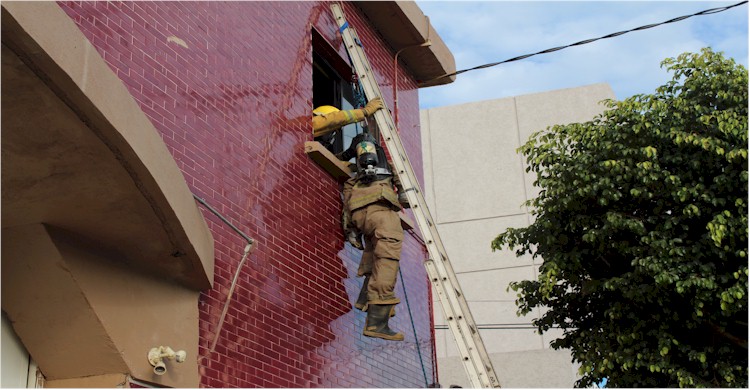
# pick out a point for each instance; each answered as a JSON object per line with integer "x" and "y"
{"x": 677, "y": 19}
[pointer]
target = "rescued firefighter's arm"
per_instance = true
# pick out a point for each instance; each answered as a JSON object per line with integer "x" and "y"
{"x": 324, "y": 124}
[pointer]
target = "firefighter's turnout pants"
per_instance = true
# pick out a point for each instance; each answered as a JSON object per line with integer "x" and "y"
{"x": 373, "y": 208}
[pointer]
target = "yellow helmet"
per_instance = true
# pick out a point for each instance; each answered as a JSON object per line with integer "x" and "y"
{"x": 324, "y": 110}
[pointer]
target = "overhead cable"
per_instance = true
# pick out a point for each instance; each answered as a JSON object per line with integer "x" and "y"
{"x": 677, "y": 19}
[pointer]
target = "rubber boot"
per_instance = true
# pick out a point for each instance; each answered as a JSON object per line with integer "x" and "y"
{"x": 376, "y": 324}
{"x": 361, "y": 303}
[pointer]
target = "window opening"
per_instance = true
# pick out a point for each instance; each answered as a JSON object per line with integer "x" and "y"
{"x": 333, "y": 85}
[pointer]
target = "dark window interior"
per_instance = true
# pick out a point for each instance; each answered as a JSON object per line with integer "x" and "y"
{"x": 332, "y": 85}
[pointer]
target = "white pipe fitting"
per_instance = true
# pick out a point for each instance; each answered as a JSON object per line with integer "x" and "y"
{"x": 156, "y": 357}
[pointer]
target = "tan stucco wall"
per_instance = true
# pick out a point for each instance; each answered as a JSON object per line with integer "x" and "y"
{"x": 104, "y": 250}
{"x": 140, "y": 312}
{"x": 403, "y": 25}
{"x": 49, "y": 312}
{"x": 77, "y": 146}
{"x": 80, "y": 313}
{"x": 99, "y": 382}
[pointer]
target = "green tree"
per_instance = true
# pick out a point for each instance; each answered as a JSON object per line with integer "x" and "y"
{"x": 641, "y": 224}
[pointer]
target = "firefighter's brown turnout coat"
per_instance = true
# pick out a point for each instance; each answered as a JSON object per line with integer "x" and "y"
{"x": 374, "y": 209}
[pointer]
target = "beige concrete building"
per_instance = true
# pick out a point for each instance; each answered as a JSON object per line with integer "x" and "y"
{"x": 475, "y": 185}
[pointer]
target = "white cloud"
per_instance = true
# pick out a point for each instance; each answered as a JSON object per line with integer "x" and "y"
{"x": 483, "y": 32}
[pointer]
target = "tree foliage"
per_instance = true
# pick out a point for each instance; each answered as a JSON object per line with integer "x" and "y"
{"x": 641, "y": 224}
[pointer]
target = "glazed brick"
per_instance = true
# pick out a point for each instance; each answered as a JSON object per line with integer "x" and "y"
{"x": 233, "y": 108}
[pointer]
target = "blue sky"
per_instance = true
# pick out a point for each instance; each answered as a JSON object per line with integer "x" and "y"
{"x": 490, "y": 31}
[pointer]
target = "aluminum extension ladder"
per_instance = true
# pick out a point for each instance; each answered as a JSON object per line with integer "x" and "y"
{"x": 473, "y": 354}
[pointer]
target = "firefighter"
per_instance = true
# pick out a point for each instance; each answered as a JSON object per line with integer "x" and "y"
{"x": 327, "y": 119}
{"x": 374, "y": 197}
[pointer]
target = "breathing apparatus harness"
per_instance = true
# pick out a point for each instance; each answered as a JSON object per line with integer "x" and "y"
{"x": 372, "y": 164}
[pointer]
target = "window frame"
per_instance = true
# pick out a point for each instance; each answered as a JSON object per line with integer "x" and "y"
{"x": 329, "y": 64}
{"x": 326, "y": 59}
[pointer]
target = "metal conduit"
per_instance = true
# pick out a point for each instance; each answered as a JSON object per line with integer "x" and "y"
{"x": 248, "y": 248}
{"x": 216, "y": 213}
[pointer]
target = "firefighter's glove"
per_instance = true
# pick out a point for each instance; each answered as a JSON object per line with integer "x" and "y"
{"x": 403, "y": 200}
{"x": 351, "y": 234}
{"x": 355, "y": 238}
{"x": 373, "y": 105}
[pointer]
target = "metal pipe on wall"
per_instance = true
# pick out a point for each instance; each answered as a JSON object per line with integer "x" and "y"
{"x": 426, "y": 43}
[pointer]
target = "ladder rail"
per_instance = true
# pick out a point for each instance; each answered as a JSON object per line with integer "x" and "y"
{"x": 473, "y": 353}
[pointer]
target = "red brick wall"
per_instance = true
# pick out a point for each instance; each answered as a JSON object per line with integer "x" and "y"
{"x": 234, "y": 109}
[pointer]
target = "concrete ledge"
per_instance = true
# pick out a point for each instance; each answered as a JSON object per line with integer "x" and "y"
{"x": 403, "y": 25}
{"x": 323, "y": 157}
{"x": 109, "y": 381}
{"x": 88, "y": 321}
{"x": 341, "y": 172}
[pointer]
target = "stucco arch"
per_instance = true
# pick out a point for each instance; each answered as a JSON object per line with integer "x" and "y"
{"x": 91, "y": 197}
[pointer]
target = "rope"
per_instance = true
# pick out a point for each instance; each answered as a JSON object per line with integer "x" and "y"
{"x": 677, "y": 19}
{"x": 414, "y": 328}
{"x": 359, "y": 95}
